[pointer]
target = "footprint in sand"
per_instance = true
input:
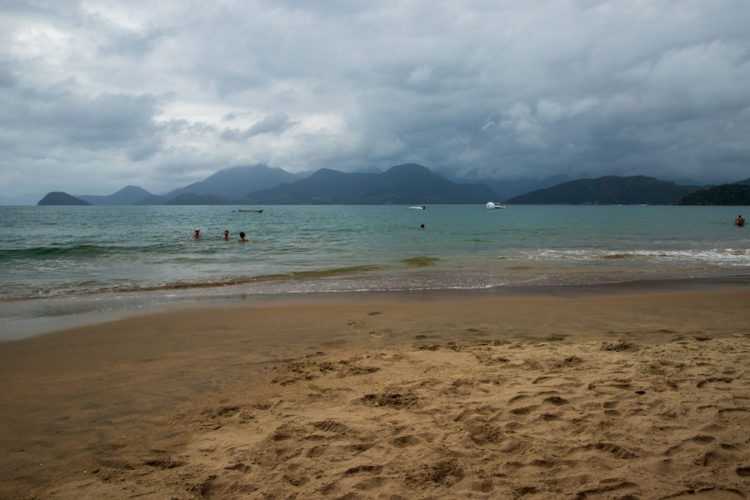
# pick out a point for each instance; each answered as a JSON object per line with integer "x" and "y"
{"x": 330, "y": 426}
{"x": 556, "y": 400}
{"x": 444, "y": 473}
{"x": 517, "y": 398}
{"x": 405, "y": 441}
{"x": 525, "y": 410}
{"x": 713, "y": 380}
{"x": 316, "y": 451}
{"x": 239, "y": 466}
{"x": 369, "y": 483}
{"x": 609, "y": 486}
{"x": 392, "y": 399}
{"x": 481, "y": 431}
{"x": 164, "y": 463}
{"x": 295, "y": 479}
{"x": 614, "y": 449}
{"x": 620, "y": 346}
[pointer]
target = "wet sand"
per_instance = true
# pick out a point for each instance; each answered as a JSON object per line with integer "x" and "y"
{"x": 616, "y": 395}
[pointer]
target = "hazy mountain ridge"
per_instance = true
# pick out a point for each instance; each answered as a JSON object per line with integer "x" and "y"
{"x": 402, "y": 184}
{"x": 509, "y": 188}
{"x": 199, "y": 199}
{"x": 236, "y": 182}
{"x": 221, "y": 188}
{"x": 128, "y": 195}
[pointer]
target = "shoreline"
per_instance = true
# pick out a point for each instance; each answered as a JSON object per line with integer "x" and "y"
{"x": 32, "y": 317}
{"x": 589, "y": 393}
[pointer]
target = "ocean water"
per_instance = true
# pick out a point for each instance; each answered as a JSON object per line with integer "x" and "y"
{"x": 58, "y": 264}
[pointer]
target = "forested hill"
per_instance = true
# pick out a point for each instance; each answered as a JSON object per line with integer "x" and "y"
{"x": 726, "y": 194}
{"x": 609, "y": 190}
{"x": 60, "y": 198}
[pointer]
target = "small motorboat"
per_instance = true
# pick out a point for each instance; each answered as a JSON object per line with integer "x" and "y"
{"x": 494, "y": 206}
{"x": 258, "y": 211}
{"x": 417, "y": 207}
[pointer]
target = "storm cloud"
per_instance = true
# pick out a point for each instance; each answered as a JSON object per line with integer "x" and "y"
{"x": 100, "y": 94}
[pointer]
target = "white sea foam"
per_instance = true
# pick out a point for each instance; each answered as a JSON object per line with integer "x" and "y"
{"x": 714, "y": 256}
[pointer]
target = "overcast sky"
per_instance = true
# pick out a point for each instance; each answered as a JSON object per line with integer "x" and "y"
{"x": 97, "y": 95}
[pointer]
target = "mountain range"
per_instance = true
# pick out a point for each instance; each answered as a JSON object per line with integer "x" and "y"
{"x": 259, "y": 184}
{"x": 235, "y": 182}
{"x": 402, "y": 184}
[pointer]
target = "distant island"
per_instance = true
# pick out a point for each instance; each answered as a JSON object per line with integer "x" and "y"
{"x": 60, "y": 198}
{"x": 405, "y": 184}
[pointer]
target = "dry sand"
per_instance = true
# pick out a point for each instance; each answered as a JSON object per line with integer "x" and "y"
{"x": 625, "y": 396}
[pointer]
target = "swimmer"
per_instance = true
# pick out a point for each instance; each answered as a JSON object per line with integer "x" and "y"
{"x": 197, "y": 233}
{"x": 242, "y": 237}
{"x": 739, "y": 221}
{"x": 226, "y": 235}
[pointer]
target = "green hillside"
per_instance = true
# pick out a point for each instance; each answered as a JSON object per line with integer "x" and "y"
{"x": 726, "y": 194}
{"x": 609, "y": 190}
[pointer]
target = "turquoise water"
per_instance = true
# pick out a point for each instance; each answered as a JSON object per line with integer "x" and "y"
{"x": 51, "y": 251}
{"x": 72, "y": 256}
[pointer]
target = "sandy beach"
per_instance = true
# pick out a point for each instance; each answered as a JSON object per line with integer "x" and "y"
{"x": 626, "y": 395}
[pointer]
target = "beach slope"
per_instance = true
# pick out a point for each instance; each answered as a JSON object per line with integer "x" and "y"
{"x": 614, "y": 396}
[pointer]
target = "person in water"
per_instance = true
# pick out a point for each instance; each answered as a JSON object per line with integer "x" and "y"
{"x": 226, "y": 235}
{"x": 197, "y": 234}
{"x": 242, "y": 237}
{"x": 739, "y": 221}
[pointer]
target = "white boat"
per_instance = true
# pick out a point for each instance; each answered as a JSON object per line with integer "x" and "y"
{"x": 418, "y": 207}
{"x": 494, "y": 206}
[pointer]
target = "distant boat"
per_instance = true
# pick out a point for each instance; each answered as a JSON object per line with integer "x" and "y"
{"x": 494, "y": 206}
{"x": 418, "y": 207}
{"x": 258, "y": 211}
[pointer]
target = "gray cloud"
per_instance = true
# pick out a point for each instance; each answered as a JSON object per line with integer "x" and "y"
{"x": 56, "y": 117}
{"x": 275, "y": 124}
{"x": 131, "y": 43}
{"x": 7, "y": 79}
{"x": 162, "y": 93}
